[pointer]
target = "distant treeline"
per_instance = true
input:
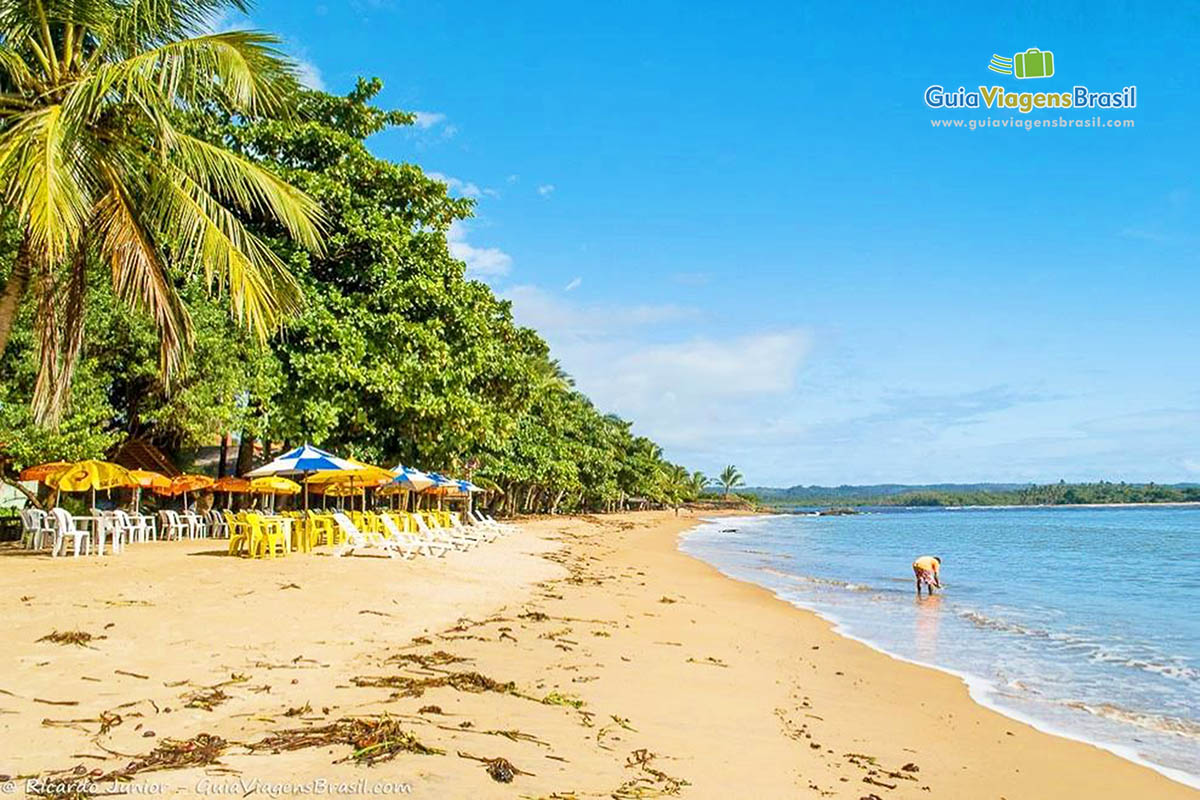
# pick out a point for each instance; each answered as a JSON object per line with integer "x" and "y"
{"x": 1055, "y": 494}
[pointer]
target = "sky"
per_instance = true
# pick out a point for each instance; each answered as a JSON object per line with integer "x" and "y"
{"x": 737, "y": 226}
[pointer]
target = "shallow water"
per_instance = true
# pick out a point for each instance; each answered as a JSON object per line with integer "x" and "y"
{"x": 1082, "y": 621}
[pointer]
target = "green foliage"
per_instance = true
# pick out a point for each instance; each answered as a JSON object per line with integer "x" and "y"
{"x": 1061, "y": 493}
{"x": 393, "y": 355}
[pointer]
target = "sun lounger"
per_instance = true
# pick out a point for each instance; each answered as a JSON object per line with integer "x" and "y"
{"x": 357, "y": 540}
{"x": 425, "y": 544}
{"x": 440, "y": 533}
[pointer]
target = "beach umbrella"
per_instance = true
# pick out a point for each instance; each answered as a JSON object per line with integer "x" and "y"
{"x": 273, "y": 485}
{"x": 43, "y": 471}
{"x": 304, "y": 460}
{"x": 146, "y": 479}
{"x": 362, "y": 477}
{"x": 88, "y": 476}
{"x": 231, "y": 485}
{"x": 186, "y": 484}
{"x": 411, "y": 479}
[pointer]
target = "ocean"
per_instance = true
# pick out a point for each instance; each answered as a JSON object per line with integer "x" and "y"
{"x": 1081, "y": 621}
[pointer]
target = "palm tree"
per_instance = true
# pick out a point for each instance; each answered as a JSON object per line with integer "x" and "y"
{"x": 96, "y": 169}
{"x": 730, "y": 478}
{"x": 698, "y": 481}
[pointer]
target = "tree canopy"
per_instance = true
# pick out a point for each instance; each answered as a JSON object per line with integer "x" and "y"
{"x": 392, "y": 354}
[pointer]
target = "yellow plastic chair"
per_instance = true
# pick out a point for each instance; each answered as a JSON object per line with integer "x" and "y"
{"x": 265, "y": 537}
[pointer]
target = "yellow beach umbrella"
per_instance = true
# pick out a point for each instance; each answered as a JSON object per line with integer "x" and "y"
{"x": 274, "y": 484}
{"x": 88, "y": 476}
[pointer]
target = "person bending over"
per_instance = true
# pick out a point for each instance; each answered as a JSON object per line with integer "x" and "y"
{"x": 928, "y": 570}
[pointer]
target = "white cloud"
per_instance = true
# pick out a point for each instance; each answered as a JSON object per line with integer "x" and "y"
{"x": 701, "y": 396}
{"x": 546, "y": 189}
{"x": 464, "y": 188}
{"x": 428, "y": 119}
{"x": 573, "y": 285}
{"x": 513, "y": 178}
{"x": 482, "y": 262}
{"x": 309, "y": 74}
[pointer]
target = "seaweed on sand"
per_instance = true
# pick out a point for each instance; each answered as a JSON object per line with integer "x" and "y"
{"x": 652, "y": 782}
{"x": 557, "y": 699}
{"x": 199, "y": 751}
{"x": 501, "y": 770}
{"x": 77, "y": 638}
{"x": 373, "y": 739}
{"x": 472, "y": 682}
{"x": 437, "y": 658}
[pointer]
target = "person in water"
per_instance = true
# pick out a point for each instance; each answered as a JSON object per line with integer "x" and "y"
{"x": 928, "y": 570}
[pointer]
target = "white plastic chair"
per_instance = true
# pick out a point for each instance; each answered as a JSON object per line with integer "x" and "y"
{"x": 197, "y": 528}
{"x": 138, "y": 528}
{"x": 106, "y": 524}
{"x": 35, "y": 526}
{"x": 65, "y": 528}
{"x": 171, "y": 526}
{"x": 218, "y": 528}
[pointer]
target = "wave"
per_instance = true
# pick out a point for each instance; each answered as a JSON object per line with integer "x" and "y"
{"x": 853, "y": 587}
{"x": 1096, "y": 651}
{"x": 1159, "y": 723}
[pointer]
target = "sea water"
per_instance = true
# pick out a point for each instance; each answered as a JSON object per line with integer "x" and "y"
{"x": 1081, "y": 621}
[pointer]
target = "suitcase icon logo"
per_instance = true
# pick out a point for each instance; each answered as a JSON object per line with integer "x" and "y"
{"x": 1033, "y": 63}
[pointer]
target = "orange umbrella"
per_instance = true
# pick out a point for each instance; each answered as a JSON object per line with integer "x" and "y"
{"x": 43, "y": 471}
{"x": 147, "y": 479}
{"x": 231, "y": 484}
{"x": 184, "y": 484}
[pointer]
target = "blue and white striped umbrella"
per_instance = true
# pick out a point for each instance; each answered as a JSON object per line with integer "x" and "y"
{"x": 411, "y": 479}
{"x": 470, "y": 488}
{"x": 304, "y": 458}
{"x": 442, "y": 482}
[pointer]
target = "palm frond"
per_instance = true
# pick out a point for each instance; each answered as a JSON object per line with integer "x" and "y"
{"x": 40, "y": 166}
{"x": 251, "y": 188}
{"x": 243, "y": 69}
{"x": 138, "y": 274}
{"x": 209, "y": 238}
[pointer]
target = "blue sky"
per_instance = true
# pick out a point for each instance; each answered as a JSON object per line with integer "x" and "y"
{"x": 736, "y": 225}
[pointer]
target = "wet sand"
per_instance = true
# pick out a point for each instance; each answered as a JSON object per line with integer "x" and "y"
{"x": 587, "y": 652}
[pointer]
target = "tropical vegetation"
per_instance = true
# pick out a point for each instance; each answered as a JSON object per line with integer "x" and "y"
{"x": 306, "y": 293}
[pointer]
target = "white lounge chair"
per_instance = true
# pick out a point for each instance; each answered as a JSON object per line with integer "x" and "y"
{"x": 425, "y": 545}
{"x": 357, "y": 540}
{"x": 486, "y": 521}
{"x": 479, "y": 533}
{"x": 442, "y": 534}
{"x": 64, "y": 529}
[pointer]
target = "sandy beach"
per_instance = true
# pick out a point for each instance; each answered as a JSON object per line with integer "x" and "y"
{"x": 586, "y": 652}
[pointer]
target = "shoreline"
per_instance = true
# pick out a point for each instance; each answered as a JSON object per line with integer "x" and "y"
{"x": 976, "y": 685}
{"x": 590, "y": 653}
